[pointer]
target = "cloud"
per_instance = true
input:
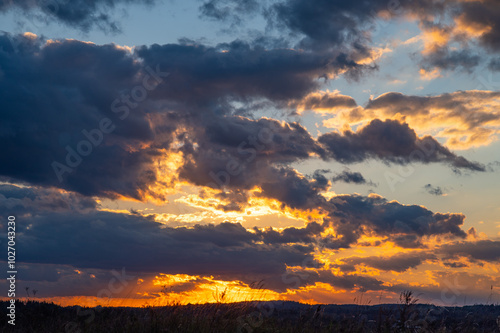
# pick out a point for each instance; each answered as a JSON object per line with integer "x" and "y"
{"x": 473, "y": 115}
{"x": 304, "y": 278}
{"x": 326, "y": 24}
{"x": 53, "y": 94}
{"x": 81, "y": 14}
{"x": 481, "y": 19}
{"x": 20, "y": 200}
{"x": 434, "y": 190}
{"x": 451, "y": 60}
{"x": 234, "y": 11}
{"x": 242, "y": 70}
{"x": 451, "y": 44}
{"x": 353, "y": 216}
{"x": 397, "y": 263}
{"x": 351, "y": 178}
{"x": 391, "y": 141}
{"x": 237, "y": 153}
{"x": 324, "y": 101}
{"x": 407, "y": 241}
{"x": 484, "y": 250}
{"x": 451, "y": 29}
{"x": 494, "y": 65}
{"x": 307, "y": 235}
{"x": 141, "y": 245}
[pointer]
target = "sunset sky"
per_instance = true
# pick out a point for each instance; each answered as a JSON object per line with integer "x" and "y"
{"x": 316, "y": 151}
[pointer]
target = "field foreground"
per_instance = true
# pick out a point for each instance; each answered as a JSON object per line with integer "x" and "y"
{"x": 255, "y": 317}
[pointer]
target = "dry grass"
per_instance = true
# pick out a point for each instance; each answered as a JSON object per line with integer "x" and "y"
{"x": 255, "y": 317}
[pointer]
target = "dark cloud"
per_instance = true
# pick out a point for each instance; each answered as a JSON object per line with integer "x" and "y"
{"x": 326, "y": 24}
{"x": 474, "y": 112}
{"x": 452, "y": 60}
{"x": 287, "y": 186}
{"x": 234, "y": 11}
{"x": 347, "y": 25}
{"x": 407, "y": 241}
{"x": 355, "y": 215}
{"x": 345, "y": 281}
{"x": 485, "y": 250}
{"x": 81, "y": 14}
{"x": 494, "y": 65}
{"x": 271, "y": 139}
{"x": 480, "y": 20}
{"x": 319, "y": 179}
{"x": 455, "y": 264}
{"x": 434, "y": 190}
{"x": 391, "y": 141}
{"x": 470, "y": 113}
{"x": 51, "y": 96}
{"x": 140, "y": 245}
{"x": 307, "y": 235}
{"x": 19, "y": 200}
{"x": 327, "y": 101}
{"x": 342, "y": 24}
{"x": 241, "y": 70}
{"x": 237, "y": 153}
{"x": 483, "y": 15}
{"x": 351, "y": 178}
{"x": 397, "y": 263}
{"x": 52, "y": 280}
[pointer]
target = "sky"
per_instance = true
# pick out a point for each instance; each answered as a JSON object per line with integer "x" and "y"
{"x": 313, "y": 151}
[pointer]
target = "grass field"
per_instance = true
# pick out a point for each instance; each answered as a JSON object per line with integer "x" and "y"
{"x": 277, "y": 316}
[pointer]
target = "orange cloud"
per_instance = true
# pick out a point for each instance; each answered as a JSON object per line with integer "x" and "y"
{"x": 465, "y": 119}
{"x": 429, "y": 75}
{"x": 470, "y": 29}
{"x": 324, "y": 102}
{"x": 434, "y": 39}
